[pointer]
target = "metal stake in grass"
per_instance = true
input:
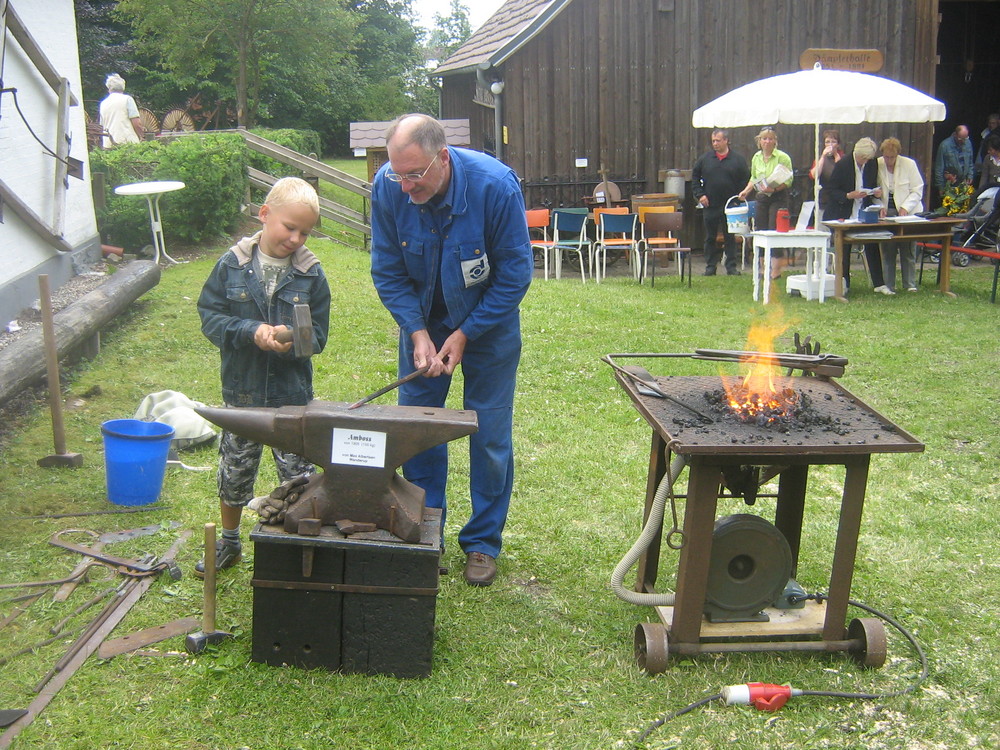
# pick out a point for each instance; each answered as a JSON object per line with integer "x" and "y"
{"x": 60, "y": 457}
{"x": 208, "y": 636}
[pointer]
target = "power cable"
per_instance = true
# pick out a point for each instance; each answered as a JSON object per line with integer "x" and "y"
{"x": 45, "y": 148}
{"x": 777, "y": 695}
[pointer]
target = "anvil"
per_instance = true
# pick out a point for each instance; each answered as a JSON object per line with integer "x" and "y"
{"x": 359, "y": 450}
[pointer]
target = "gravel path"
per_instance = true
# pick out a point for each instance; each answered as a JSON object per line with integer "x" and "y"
{"x": 30, "y": 318}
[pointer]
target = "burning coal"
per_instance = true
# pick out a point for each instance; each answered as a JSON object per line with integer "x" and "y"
{"x": 763, "y": 396}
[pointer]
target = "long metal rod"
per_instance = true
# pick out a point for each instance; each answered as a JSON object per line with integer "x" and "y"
{"x": 56, "y": 683}
{"x": 391, "y": 387}
{"x": 651, "y": 386}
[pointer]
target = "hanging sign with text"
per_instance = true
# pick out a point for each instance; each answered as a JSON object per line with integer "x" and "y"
{"x": 856, "y": 60}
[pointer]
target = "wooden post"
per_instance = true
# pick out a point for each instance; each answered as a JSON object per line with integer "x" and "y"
{"x": 60, "y": 457}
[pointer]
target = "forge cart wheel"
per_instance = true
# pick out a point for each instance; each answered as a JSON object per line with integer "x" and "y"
{"x": 651, "y": 651}
{"x": 871, "y": 632}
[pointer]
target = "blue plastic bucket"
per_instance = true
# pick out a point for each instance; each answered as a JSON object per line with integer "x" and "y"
{"x": 135, "y": 459}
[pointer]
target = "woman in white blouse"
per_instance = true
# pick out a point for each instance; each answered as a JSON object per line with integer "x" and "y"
{"x": 902, "y": 191}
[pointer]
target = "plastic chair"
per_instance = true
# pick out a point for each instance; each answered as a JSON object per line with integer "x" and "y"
{"x": 538, "y": 220}
{"x": 618, "y": 231}
{"x": 569, "y": 234}
{"x": 656, "y": 222}
{"x": 595, "y": 214}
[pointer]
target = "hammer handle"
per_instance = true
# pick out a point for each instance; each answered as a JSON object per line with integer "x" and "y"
{"x": 208, "y": 607}
{"x": 284, "y": 335}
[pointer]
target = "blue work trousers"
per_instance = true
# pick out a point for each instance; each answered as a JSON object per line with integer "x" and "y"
{"x": 489, "y": 366}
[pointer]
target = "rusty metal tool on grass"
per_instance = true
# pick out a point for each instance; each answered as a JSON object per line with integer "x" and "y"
{"x": 50, "y": 688}
{"x": 9, "y": 716}
{"x": 61, "y": 458}
{"x": 391, "y": 387}
{"x": 301, "y": 332}
{"x": 147, "y": 637}
{"x": 208, "y": 635}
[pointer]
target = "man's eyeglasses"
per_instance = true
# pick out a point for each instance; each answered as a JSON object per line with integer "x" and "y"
{"x": 411, "y": 176}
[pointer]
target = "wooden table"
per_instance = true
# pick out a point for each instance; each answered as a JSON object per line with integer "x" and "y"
{"x": 932, "y": 230}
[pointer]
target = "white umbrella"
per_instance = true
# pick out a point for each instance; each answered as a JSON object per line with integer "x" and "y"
{"x": 815, "y": 97}
{"x": 818, "y": 96}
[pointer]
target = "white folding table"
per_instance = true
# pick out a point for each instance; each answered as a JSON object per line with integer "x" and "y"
{"x": 815, "y": 243}
{"x": 152, "y": 191}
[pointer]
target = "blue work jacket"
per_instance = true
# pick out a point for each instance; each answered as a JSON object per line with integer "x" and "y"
{"x": 233, "y": 304}
{"x": 480, "y": 243}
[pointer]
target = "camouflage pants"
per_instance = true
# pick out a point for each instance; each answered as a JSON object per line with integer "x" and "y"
{"x": 239, "y": 459}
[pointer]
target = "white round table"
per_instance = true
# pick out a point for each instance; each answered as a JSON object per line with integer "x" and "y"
{"x": 152, "y": 191}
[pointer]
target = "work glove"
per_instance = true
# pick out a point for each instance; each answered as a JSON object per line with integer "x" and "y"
{"x": 272, "y": 508}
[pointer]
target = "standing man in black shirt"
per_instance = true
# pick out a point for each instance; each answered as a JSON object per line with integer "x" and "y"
{"x": 717, "y": 176}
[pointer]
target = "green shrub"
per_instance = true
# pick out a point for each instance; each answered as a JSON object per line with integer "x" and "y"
{"x": 213, "y": 169}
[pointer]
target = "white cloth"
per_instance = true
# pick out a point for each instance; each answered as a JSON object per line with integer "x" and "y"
{"x": 858, "y": 185}
{"x": 177, "y": 410}
{"x": 117, "y": 111}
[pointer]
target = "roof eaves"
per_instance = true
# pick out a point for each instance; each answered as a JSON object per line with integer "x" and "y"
{"x": 529, "y": 32}
{"x": 512, "y": 45}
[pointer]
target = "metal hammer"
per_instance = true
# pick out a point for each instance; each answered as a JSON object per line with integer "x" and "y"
{"x": 208, "y": 635}
{"x": 301, "y": 332}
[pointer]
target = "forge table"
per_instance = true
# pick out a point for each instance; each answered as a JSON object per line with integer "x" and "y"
{"x": 708, "y": 449}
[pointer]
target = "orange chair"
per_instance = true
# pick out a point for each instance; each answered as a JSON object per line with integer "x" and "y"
{"x": 538, "y": 223}
{"x": 619, "y": 231}
{"x": 659, "y": 228}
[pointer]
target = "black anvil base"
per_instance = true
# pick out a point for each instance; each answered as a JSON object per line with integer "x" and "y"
{"x": 354, "y": 605}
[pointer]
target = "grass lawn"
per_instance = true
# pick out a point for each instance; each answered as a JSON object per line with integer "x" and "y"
{"x": 544, "y": 657}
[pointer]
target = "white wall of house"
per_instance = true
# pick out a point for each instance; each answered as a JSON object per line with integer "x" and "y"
{"x": 29, "y": 172}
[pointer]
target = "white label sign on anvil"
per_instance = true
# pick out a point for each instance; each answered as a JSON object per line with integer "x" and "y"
{"x": 358, "y": 448}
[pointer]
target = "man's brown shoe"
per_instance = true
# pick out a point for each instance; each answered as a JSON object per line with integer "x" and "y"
{"x": 480, "y": 569}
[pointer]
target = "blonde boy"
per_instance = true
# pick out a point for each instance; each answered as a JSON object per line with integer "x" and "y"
{"x": 248, "y": 297}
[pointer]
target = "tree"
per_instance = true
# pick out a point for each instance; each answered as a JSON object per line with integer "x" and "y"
{"x": 389, "y": 61}
{"x": 450, "y": 31}
{"x": 243, "y": 41}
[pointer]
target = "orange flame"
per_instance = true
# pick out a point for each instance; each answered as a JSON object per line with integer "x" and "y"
{"x": 762, "y": 393}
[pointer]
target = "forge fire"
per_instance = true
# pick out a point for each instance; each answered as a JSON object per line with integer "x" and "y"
{"x": 752, "y": 405}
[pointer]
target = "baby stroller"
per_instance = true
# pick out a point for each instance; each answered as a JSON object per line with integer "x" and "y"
{"x": 980, "y": 229}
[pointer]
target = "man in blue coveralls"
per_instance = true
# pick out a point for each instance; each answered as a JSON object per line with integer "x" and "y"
{"x": 451, "y": 261}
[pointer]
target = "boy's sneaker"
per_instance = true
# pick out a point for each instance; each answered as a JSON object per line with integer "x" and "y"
{"x": 226, "y": 556}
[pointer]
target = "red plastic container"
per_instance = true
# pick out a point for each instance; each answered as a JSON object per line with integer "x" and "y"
{"x": 783, "y": 221}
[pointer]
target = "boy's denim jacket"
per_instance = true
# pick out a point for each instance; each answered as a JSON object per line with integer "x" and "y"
{"x": 233, "y": 304}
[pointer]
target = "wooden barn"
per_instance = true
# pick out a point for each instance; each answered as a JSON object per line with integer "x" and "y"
{"x": 560, "y": 88}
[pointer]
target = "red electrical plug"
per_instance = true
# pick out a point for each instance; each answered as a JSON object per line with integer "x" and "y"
{"x": 763, "y": 696}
